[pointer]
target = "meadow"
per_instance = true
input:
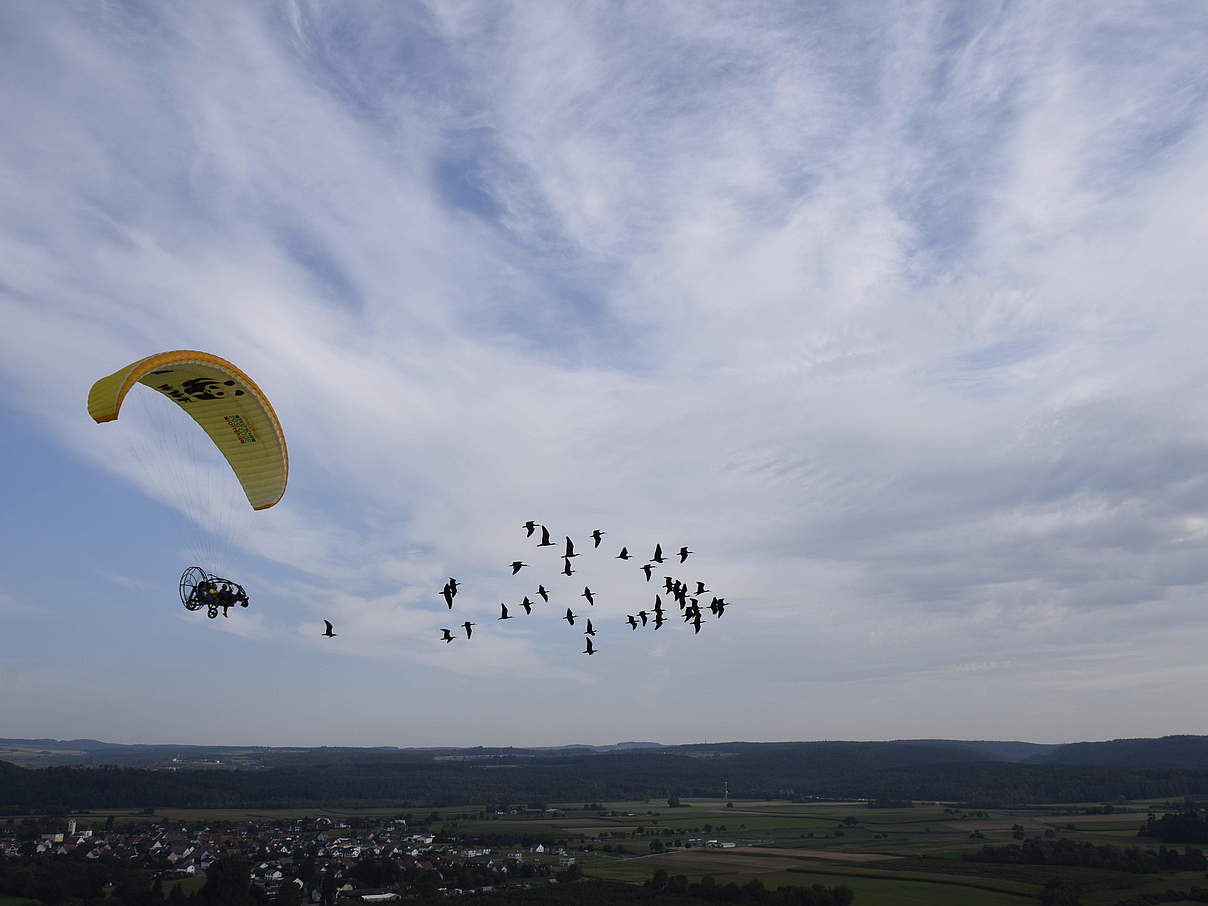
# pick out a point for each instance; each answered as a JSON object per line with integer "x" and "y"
{"x": 911, "y": 856}
{"x": 890, "y": 856}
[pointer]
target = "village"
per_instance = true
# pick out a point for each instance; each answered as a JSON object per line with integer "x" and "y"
{"x": 325, "y": 859}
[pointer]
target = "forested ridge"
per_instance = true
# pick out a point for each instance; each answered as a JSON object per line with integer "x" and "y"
{"x": 890, "y": 770}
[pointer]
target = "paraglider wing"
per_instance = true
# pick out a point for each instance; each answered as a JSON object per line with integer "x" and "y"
{"x": 224, "y": 401}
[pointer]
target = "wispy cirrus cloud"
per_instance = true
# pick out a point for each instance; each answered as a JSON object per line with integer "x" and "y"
{"x": 894, "y": 318}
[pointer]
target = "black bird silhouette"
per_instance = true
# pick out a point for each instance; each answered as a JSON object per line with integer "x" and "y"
{"x": 700, "y": 589}
{"x": 570, "y": 548}
{"x": 447, "y": 594}
{"x": 544, "y": 594}
{"x": 633, "y": 624}
{"x": 718, "y": 606}
{"x": 545, "y": 542}
{"x": 516, "y": 565}
{"x": 669, "y": 584}
{"x": 624, "y": 554}
{"x": 597, "y": 536}
{"x": 696, "y": 624}
{"x": 566, "y": 570}
{"x": 527, "y": 605}
{"x": 570, "y": 617}
{"x": 658, "y": 621}
{"x": 589, "y": 630}
{"x": 589, "y": 649}
{"x": 467, "y": 624}
{"x": 647, "y": 569}
{"x": 447, "y": 637}
{"x": 530, "y": 527}
{"x": 452, "y": 583}
{"x": 590, "y": 597}
{"x": 683, "y": 554}
{"x": 503, "y": 607}
{"x": 328, "y": 631}
{"x": 658, "y": 604}
{"x": 643, "y": 615}
{"x": 658, "y": 554}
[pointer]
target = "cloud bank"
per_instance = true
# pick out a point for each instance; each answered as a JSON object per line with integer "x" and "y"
{"x": 894, "y": 315}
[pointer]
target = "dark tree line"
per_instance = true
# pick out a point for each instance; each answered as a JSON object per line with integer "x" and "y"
{"x": 1189, "y": 826}
{"x": 56, "y": 880}
{"x": 754, "y": 771}
{"x": 1195, "y": 895}
{"x": 1037, "y": 851}
{"x": 752, "y": 892}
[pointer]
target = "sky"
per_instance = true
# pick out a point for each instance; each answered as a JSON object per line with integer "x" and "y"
{"x": 893, "y": 313}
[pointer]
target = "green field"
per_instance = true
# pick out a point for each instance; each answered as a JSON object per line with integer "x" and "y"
{"x": 901, "y": 856}
{"x": 890, "y": 857}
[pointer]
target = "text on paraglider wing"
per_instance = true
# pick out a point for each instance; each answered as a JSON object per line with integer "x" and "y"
{"x": 241, "y": 429}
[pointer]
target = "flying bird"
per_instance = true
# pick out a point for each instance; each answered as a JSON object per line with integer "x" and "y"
{"x": 527, "y": 605}
{"x": 566, "y": 570}
{"x": 503, "y": 607}
{"x": 570, "y": 548}
{"x": 658, "y": 554}
{"x": 658, "y": 604}
{"x": 589, "y": 649}
{"x": 591, "y": 599}
{"x": 624, "y": 554}
{"x": 633, "y": 624}
{"x": 597, "y": 536}
{"x": 544, "y": 594}
{"x": 647, "y": 570}
{"x": 669, "y": 584}
{"x": 589, "y": 630}
{"x": 545, "y": 542}
{"x": 700, "y": 589}
{"x": 683, "y": 554}
{"x": 467, "y": 624}
{"x": 696, "y": 624}
{"x": 328, "y": 631}
{"x": 452, "y": 583}
{"x": 516, "y": 566}
{"x": 570, "y": 617}
{"x": 447, "y": 637}
{"x": 447, "y": 593}
{"x": 658, "y": 621}
{"x": 643, "y": 615}
{"x": 530, "y": 527}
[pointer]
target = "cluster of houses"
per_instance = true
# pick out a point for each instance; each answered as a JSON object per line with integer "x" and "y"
{"x": 333, "y": 849}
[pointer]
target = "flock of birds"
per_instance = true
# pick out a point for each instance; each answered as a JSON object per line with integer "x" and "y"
{"x": 686, "y": 598}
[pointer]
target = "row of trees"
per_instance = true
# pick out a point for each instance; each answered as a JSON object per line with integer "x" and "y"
{"x": 753, "y": 892}
{"x": 891, "y": 773}
{"x": 1037, "y": 851}
{"x": 1187, "y": 826}
{"x": 112, "y": 882}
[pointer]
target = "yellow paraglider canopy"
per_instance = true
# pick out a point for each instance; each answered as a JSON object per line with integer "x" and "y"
{"x": 227, "y": 404}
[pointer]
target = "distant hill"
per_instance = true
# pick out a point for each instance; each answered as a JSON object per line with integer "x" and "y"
{"x": 781, "y": 765}
{"x": 1167, "y": 752}
{"x": 999, "y": 751}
